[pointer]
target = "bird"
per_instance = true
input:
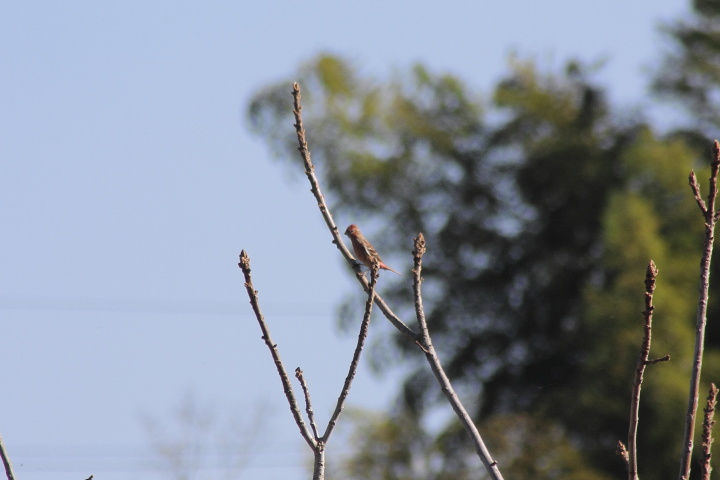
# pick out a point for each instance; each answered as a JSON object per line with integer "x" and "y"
{"x": 364, "y": 251}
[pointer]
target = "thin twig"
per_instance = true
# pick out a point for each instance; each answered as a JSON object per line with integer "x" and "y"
{"x": 621, "y": 451}
{"x": 418, "y": 253}
{"x": 308, "y": 404}
{"x": 426, "y": 346}
{"x": 356, "y": 356}
{"x": 6, "y": 461}
{"x": 642, "y": 362}
{"x": 707, "y": 438}
{"x": 710, "y": 216}
{"x": 327, "y": 216}
{"x": 657, "y": 360}
{"x": 696, "y": 192}
{"x": 287, "y": 386}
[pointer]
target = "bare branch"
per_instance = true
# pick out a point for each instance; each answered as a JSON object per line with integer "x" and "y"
{"x": 707, "y": 438}
{"x": 6, "y": 461}
{"x": 325, "y": 211}
{"x": 287, "y": 386}
{"x": 631, "y": 452}
{"x": 315, "y": 441}
{"x": 308, "y": 404}
{"x": 418, "y": 253}
{"x": 319, "y": 462}
{"x": 696, "y": 192}
{"x": 714, "y": 168}
{"x": 701, "y": 315}
{"x": 421, "y": 339}
{"x": 426, "y": 345}
{"x": 356, "y": 356}
{"x": 314, "y": 184}
{"x": 657, "y": 360}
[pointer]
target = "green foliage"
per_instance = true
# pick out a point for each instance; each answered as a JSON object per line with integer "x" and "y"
{"x": 690, "y": 76}
{"x": 388, "y": 449}
{"x": 690, "y": 72}
{"x": 541, "y": 211}
{"x": 650, "y": 215}
{"x": 396, "y": 448}
{"x": 533, "y": 447}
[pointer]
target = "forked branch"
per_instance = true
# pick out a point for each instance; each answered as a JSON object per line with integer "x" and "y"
{"x": 287, "y": 386}
{"x": 316, "y": 442}
{"x": 422, "y": 339}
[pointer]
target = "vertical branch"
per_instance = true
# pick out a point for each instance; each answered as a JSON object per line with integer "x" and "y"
{"x": 707, "y": 438}
{"x": 319, "y": 462}
{"x": 630, "y": 455}
{"x": 418, "y": 253}
{"x": 425, "y": 343}
{"x": 711, "y": 217}
{"x": 287, "y": 387}
{"x": 6, "y": 461}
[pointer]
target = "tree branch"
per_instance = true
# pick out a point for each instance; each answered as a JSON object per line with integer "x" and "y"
{"x": 710, "y": 216}
{"x": 356, "y": 356}
{"x": 418, "y": 252}
{"x": 316, "y": 442}
{"x": 327, "y": 216}
{"x": 287, "y": 386}
{"x": 631, "y": 453}
{"x": 422, "y": 339}
{"x": 425, "y": 343}
{"x": 6, "y": 461}
{"x": 308, "y": 404}
{"x": 696, "y": 192}
{"x": 707, "y": 438}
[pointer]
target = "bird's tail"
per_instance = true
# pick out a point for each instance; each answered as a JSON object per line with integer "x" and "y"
{"x": 385, "y": 267}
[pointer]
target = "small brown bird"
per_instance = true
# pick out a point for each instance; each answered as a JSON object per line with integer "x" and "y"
{"x": 364, "y": 251}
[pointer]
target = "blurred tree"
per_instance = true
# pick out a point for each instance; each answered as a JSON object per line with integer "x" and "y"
{"x": 395, "y": 447}
{"x": 689, "y": 77}
{"x": 540, "y": 210}
{"x": 198, "y": 441}
{"x": 690, "y": 72}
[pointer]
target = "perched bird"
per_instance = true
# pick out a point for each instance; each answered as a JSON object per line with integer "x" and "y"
{"x": 364, "y": 251}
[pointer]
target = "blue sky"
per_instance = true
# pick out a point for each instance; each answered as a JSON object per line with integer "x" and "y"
{"x": 130, "y": 182}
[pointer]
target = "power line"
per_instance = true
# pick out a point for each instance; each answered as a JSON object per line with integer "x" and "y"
{"x": 148, "y": 306}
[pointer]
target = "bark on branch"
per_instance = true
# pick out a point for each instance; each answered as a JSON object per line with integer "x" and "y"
{"x": 710, "y": 216}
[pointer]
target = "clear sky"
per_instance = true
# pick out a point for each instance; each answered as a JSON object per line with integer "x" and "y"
{"x": 129, "y": 183}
